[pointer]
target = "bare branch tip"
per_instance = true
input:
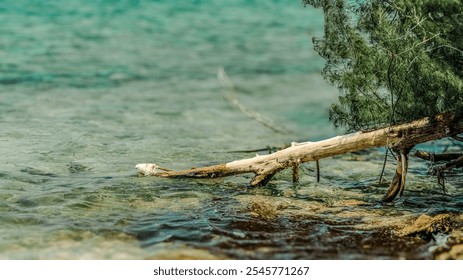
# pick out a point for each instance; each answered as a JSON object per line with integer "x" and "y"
{"x": 148, "y": 169}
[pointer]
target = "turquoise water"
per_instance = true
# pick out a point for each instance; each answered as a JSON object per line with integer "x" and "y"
{"x": 88, "y": 89}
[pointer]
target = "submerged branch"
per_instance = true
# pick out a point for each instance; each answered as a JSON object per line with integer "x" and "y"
{"x": 436, "y": 157}
{"x": 398, "y": 137}
{"x": 233, "y": 99}
{"x": 452, "y": 161}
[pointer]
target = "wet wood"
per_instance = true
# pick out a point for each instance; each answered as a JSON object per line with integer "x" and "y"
{"x": 296, "y": 173}
{"x": 398, "y": 137}
{"x": 452, "y": 161}
{"x": 437, "y": 157}
{"x": 397, "y": 186}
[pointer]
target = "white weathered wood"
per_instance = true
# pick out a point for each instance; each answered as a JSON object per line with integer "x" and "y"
{"x": 398, "y": 137}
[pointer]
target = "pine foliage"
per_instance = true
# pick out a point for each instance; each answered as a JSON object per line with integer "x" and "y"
{"x": 394, "y": 61}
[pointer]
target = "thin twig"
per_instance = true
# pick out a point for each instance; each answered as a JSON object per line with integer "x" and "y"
{"x": 268, "y": 149}
{"x": 392, "y": 153}
{"x": 296, "y": 173}
{"x": 447, "y": 46}
{"x": 384, "y": 166}
{"x": 233, "y": 99}
{"x": 420, "y": 43}
{"x": 441, "y": 180}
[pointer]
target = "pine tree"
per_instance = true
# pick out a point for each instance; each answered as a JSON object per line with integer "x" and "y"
{"x": 394, "y": 61}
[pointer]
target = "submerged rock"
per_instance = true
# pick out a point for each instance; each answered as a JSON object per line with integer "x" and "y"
{"x": 426, "y": 225}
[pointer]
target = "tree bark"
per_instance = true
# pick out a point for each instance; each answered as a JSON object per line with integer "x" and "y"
{"x": 401, "y": 138}
{"x": 397, "y": 186}
{"x": 437, "y": 157}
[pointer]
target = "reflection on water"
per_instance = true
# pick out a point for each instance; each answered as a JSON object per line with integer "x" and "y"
{"x": 91, "y": 88}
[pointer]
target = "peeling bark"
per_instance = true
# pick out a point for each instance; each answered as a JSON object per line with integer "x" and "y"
{"x": 399, "y": 137}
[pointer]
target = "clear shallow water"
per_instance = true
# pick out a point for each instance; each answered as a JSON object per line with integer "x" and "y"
{"x": 91, "y": 88}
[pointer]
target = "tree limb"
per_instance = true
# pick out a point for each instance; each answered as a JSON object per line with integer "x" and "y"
{"x": 436, "y": 157}
{"x": 397, "y": 186}
{"x": 398, "y": 137}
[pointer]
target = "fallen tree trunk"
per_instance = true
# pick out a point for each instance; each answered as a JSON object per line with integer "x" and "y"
{"x": 401, "y": 138}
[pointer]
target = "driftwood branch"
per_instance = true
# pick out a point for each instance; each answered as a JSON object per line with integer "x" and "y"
{"x": 399, "y": 137}
{"x": 397, "y": 186}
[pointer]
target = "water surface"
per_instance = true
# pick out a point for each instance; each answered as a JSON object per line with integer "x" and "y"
{"x": 91, "y": 88}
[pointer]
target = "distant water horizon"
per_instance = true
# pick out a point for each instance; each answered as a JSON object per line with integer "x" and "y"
{"x": 82, "y": 43}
